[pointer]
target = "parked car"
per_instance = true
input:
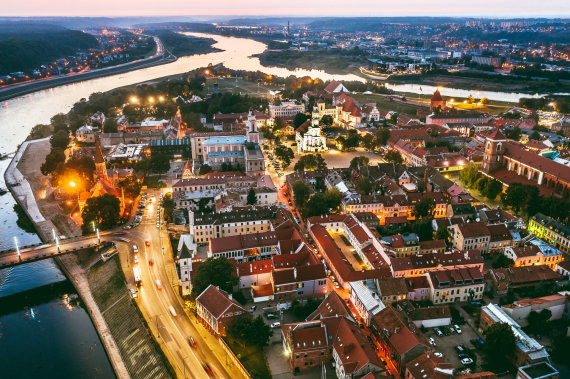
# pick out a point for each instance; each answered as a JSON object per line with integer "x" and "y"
{"x": 457, "y": 328}
{"x": 136, "y": 259}
{"x": 150, "y": 262}
{"x": 271, "y": 316}
{"x": 445, "y": 330}
{"x": 275, "y": 325}
{"x": 466, "y": 361}
{"x": 438, "y": 332}
{"x": 431, "y": 341}
{"x": 147, "y": 242}
{"x": 253, "y": 308}
{"x": 438, "y": 354}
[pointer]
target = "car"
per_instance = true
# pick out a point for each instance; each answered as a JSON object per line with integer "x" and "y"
{"x": 135, "y": 249}
{"x": 431, "y": 341}
{"x": 208, "y": 369}
{"x": 270, "y": 315}
{"x": 445, "y": 331}
{"x": 478, "y": 342}
{"x": 253, "y": 308}
{"x": 466, "y": 361}
{"x": 158, "y": 284}
{"x": 172, "y": 310}
{"x": 438, "y": 354}
{"x": 438, "y": 332}
{"x": 136, "y": 259}
{"x": 150, "y": 262}
{"x": 147, "y": 242}
{"x": 192, "y": 342}
{"x": 133, "y": 293}
{"x": 275, "y": 325}
{"x": 457, "y": 328}
{"x": 460, "y": 349}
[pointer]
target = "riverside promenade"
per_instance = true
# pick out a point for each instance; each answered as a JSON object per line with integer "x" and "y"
{"x": 26, "y": 164}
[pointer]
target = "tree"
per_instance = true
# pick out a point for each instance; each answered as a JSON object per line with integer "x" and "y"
{"x": 249, "y": 331}
{"x": 353, "y": 139}
{"x": 299, "y": 119}
{"x": 442, "y": 234}
{"x": 360, "y": 161}
{"x": 538, "y": 322}
{"x": 333, "y": 198}
{"x": 340, "y": 143}
{"x": 316, "y": 206}
{"x": 469, "y": 175}
{"x": 424, "y": 208}
{"x": 369, "y": 142}
{"x": 311, "y": 162}
{"x": 394, "y": 156}
{"x": 131, "y": 185}
{"x": 53, "y": 160}
{"x": 499, "y": 344}
{"x": 278, "y": 123}
{"x": 492, "y": 188}
{"x": 364, "y": 186}
{"x": 515, "y": 134}
{"x": 535, "y": 136}
{"x": 110, "y": 125}
{"x": 284, "y": 154}
{"x": 168, "y": 204}
{"x": 215, "y": 271}
{"x": 160, "y": 163}
{"x": 327, "y": 120}
{"x": 58, "y": 122}
{"x": 503, "y": 261}
{"x": 84, "y": 167}
{"x": 382, "y": 137}
{"x": 251, "y": 198}
{"x": 423, "y": 229}
{"x": 301, "y": 192}
{"x": 204, "y": 169}
{"x": 104, "y": 210}
{"x": 59, "y": 139}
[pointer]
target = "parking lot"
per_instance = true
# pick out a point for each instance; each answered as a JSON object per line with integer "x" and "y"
{"x": 446, "y": 344}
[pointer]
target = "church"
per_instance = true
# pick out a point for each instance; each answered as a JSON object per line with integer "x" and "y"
{"x": 103, "y": 185}
{"x": 309, "y": 136}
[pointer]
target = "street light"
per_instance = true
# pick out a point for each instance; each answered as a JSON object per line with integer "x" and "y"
{"x": 98, "y": 237}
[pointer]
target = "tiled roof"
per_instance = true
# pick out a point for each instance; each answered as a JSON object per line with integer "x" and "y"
{"x": 519, "y": 154}
{"x": 216, "y": 301}
{"x": 241, "y": 242}
{"x": 473, "y": 229}
{"x": 429, "y": 366}
{"x": 432, "y": 260}
{"x": 392, "y": 286}
{"x": 332, "y": 305}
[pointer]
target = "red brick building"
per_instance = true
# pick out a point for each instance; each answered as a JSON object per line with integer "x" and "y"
{"x": 216, "y": 309}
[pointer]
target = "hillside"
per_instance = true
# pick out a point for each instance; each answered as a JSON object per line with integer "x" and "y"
{"x": 27, "y": 46}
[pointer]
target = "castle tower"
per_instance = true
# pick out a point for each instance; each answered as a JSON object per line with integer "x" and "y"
{"x": 494, "y": 150}
{"x": 437, "y": 101}
{"x": 315, "y": 121}
{"x": 252, "y": 133}
{"x": 100, "y": 165}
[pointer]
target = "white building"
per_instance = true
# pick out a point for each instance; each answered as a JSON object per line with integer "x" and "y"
{"x": 87, "y": 133}
{"x": 366, "y": 302}
{"x": 286, "y": 109}
{"x": 309, "y": 136}
{"x": 187, "y": 249}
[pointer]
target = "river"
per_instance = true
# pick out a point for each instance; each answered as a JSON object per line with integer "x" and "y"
{"x": 57, "y": 335}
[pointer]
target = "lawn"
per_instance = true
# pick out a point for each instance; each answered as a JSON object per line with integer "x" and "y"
{"x": 385, "y": 104}
{"x": 252, "y": 358}
{"x": 345, "y": 240}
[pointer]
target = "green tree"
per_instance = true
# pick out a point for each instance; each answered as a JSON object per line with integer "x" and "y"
{"x": 59, "y": 139}
{"x": 382, "y": 137}
{"x": 215, "y": 271}
{"x": 278, "y": 123}
{"x": 424, "y": 208}
{"x": 204, "y": 169}
{"x": 423, "y": 229}
{"x": 110, "y": 125}
{"x": 251, "y": 198}
{"x": 59, "y": 122}
{"x": 301, "y": 192}
{"x": 168, "y": 204}
{"x": 360, "y": 161}
{"x": 503, "y": 261}
{"x": 311, "y": 162}
{"x": 299, "y": 119}
{"x": 340, "y": 143}
{"x": 103, "y": 210}
{"x": 492, "y": 188}
{"x": 131, "y": 185}
{"x": 249, "y": 331}
{"x": 394, "y": 156}
{"x": 442, "y": 234}
{"x": 515, "y": 134}
{"x": 514, "y": 196}
{"x": 284, "y": 154}
{"x": 369, "y": 142}
{"x": 333, "y": 198}
{"x": 316, "y": 206}
{"x": 353, "y": 139}
{"x": 535, "y": 136}
{"x": 55, "y": 158}
{"x": 469, "y": 175}
{"x": 364, "y": 186}
{"x": 499, "y": 344}
{"x": 160, "y": 163}
{"x": 327, "y": 120}
{"x": 84, "y": 167}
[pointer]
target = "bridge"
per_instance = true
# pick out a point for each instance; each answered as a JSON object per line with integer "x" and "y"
{"x": 10, "y": 258}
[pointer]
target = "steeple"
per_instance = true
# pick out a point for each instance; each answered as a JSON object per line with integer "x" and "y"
{"x": 100, "y": 165}
{"x": 252, "y": 133}
{"x": 315, "y": 122}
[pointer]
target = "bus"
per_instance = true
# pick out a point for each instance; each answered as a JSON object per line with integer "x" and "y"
{"x": 137, "y": 274}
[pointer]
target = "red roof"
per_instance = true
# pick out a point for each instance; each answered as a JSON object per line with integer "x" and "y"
{"x": 216, "y": 301}
{"x": 436, "y": 96}
{"x": 497, "y": 135}
{"x": 241, "y": 242}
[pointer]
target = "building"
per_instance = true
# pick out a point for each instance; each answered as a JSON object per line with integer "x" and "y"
{"x": 309, "y": 136}
{"x": 392, "y": 290}
{"x": 437, "y": 102}
{"x": 435, "y": 246}
{"x": 245, "y": 247}
{"x": 455, "y": 285}
{"x": 416, "y": 265}
{"x": 365, "y": 301}
{"x": 554, "y": 232}
{"x": 470, "y": 235}
{"x": 540, "y": 370}
{"x": 216, "y": 309}
{"x": 429, "y": 366}
{"x": 527, "y": 349}
{"x": 310, "y": 344}
{"x": 534, "y": 255}
{"x": 87, "y": 133}
{"x": 291, "y": 282}
{"x": 186, "y": 252}
{"x": 505, "y": 279}
{"x": 286, "y": 109}
{"x": 443, "y": 118}
{"x": 520, "y": 309}
{"x": 500, "y": 238}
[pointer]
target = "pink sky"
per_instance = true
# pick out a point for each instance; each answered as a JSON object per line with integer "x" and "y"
{"x": 490, "y": 8}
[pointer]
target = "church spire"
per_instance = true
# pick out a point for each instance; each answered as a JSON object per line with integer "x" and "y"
{"x": 100, "y": 165}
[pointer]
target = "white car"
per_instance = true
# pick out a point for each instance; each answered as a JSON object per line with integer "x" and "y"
{"x": 457, "y": 328}
{"x": 275, "y": 325}
{"x": 431, "y": 341}
{"x": 438, "y": 354}
{"x": 466, "y": 361}
{"x": 136, "y": 259}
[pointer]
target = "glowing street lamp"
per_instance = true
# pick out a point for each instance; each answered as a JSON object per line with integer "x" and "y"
{"x": 134, "y": 100}
{"x": 151, "y": 100}
{"x": 161, "y": 98}
{"x": 98, "y": 237}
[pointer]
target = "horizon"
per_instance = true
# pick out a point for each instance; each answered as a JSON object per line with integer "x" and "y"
{"x": 295, "y": 8}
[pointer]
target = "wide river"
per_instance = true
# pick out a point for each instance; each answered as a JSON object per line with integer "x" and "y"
{"x": 41, "y": 335}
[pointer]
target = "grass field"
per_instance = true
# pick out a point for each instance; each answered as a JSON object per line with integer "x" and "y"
{"x": 252, "y": 358}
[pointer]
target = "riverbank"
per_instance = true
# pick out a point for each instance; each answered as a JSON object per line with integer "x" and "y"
{"x": 31, "y": 190}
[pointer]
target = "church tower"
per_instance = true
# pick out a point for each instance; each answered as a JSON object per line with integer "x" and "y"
{"x": 100, "y": 166}
{"x": 252, "y": 132}
{"x": 494, "y": 151}
{"x": 315, "y": 122}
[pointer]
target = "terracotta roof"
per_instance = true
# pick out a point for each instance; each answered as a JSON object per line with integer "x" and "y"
{"x": 456, "y": 277}
{"x": 433, "y": 260}
{"x": 473, "y": 229}
{"x": 253, "y": 268}
{"x": 416, "y": 282}
{"x": 392, "y": 286}
{"x": 425, "y": 366}
{"x": 98, "y": 153}
{"x": 332, "y": 305}
{"x": 283, "y": 276}
{"x": 499, "y": 232}
{"x": 432, "y": 245}
{"x": 531, "y": 159}
{"x": 436, "y": 96}
{"x": 430, "y": 313}
{"x": 242, "y": 242}
{"x": 400, "y": 336}
{"x": 497, "y": 135}
{"x": 216, "y": 301}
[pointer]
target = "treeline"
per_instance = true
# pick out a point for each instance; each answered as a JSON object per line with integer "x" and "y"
{"x": 27, "y": 51}
{"x": 180, "y": 45}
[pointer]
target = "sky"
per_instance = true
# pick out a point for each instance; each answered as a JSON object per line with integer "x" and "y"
{"x": 479, "y": 8}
